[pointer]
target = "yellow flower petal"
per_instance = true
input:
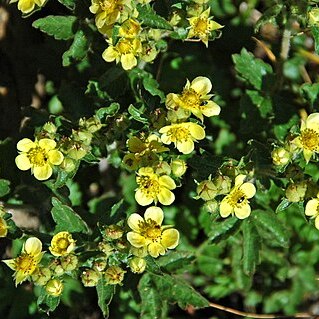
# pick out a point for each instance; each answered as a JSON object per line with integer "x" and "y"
{"x": 25, "y": 145}
{"x": 170, "y": 238}
{"x": 311, "y": 207}
{"x": 128, "y": 61}
{"x": 22, "y": 161}
{"x": 55, "y": 157}
{"x": 26, "y": 6}
{"x": 225, "y": 208}
{"x": 167, "y": 182}
{"x": 134, "y": 221}
{"x": 154, "y": 213}
{"x": 239, "y": 179}
{"x": 142, "y": 198}
{"x": 33, "y": 246}
{"x": 211, "y": 109}
{"x": 201, "y": 85}
{"x": 249, "y": 189}
{"x": 185, "y": 147}
{"x": 312, "y": 121}
{"x": 42, "y": 173}
{"x": 196, "y": 131}
{"x": 10, "y": 263}
{"x": 307, "y": 154}
{"x": 243, "y": 211}
{"x": 156, "y": 249}
{"x": 47, "y": 144}
{"x": 317, "y": 222}
{"x": 110, "y": 54}
{"x": 166, "y": 197}
{"x": 136, "y": 239}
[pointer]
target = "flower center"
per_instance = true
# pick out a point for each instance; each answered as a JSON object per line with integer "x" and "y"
{"x": 63, "y": 243}
{"x": 190, "y": 98}
{"x": 201, "y": 26}
{"x": 37, "y": 156}
{"x": 124, "y": 47}
{"x": 108, "y": 5}
{"x": 150, "y": 230}
{"x": 148, "y": 185}
{"x": 179, "y": 133}
{"x": 237, "y": 198}
{"x": 310, "y": 139}
{"x": 26, "y": 264}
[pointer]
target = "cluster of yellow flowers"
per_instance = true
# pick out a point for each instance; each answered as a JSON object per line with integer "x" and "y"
{"x": 44, "y": 154}
{"x": 287, "y": 157}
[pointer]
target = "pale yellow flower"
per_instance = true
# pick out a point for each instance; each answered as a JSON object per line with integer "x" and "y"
{"x": 308, "y": 140}
{"x": 137, "y": 265}
{"x": 40, "y": 156}
{"x": 27, "y": 262}
{"x": 202, "y": 26}
{"x": 148, "y": 232}
{"x": 236, "y": 202}
{"x": 280, "y": 156}
{"x": 62, "y": 244}
{"x": 154, "y": 188}
{"x": 3, "y": 224}
{"x": 182, "y": 135}
{"x": 54, "y": 287}
{"x": 130, "y": 29}
{"x": 26, "y": 6}
{"x": 312, "y": 209}
{"x": 194, "y": 99}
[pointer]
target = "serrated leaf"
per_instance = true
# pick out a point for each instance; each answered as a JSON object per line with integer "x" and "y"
{"x": 77, "y": 50}
{"x": 151, "y": 85}
{"x": 137, "y": 115}
{"x": 47, "y": 302}
{"x": 176, "y": 260}
{"x": 224, "y": 229}
{"x": 151, "y": 305}
{"x": 250, "y": 68}
{"x": 263, "y": 104}
{"x": 251, "y": 247}
{"x": 66, "y": 218}
{"x": 60, "y": 27}
{"x": 4, "y": 187}
{"x": 269, "y": 222}
{"x": 311, "y": 93}
{"x": 105, "y": 294}
{"x": 283, "y": 205}
{"x": 149, "y": 18}
{"x": 70, "y": 4}
{"x": 176, "y": 290}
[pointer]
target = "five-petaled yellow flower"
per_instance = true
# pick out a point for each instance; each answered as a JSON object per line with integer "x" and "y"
{"x": 149, "y": 233}
{"x": 312, "y": 209}
{"x": 202, "y": 26}
{"x": 236, "y": 202}
{"x": 27, "y": 262}
{"x": 153, "y": 188}
{"x": 194, "y": 99}
{"x": 26, "y": 6}
{"x": 62, "y": 244}
{"x": 40, "y": 156}
{"x": 308, "y": 140}
{"x": 182, "y": 135}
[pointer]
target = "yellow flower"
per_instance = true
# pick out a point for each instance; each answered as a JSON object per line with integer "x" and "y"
{"x": 26, "y": 6}
{"x": 54, "y": 287}
{"x": 39, "y": 155}
{"x": 109, "y": 11}
{"x": 202, "y": 26}
{"x": 308, "y": 140}
{"x": 194, "y": 99}
{"x": 114, "y": 275}
{"x": 280, "y": 156}
{"x": 182, "y": 135}
{"x": 3, "y": 224}
{"x": 236, "y": 202}
{"x": 129, "y": 29}
{"x": 153, "y": 188}
{"x": 148, "y": 232}
{"x": 312, "y": 209}
{"x": 62, "y": 244}
{"x": 124, "y": 51}
{"x": 27, "y": 262}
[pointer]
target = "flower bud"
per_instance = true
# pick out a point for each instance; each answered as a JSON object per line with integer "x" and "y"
{"x": 223, "y": 184}
{"x": 99, "y": 265}
{"x": 54, "y": 287}
{"x": 137, "y": 265}
{"x": 3, "y": 227}
{"x": 49, "y": 127}
{"x": 105, "y": 248}
{"x": 41, "y": 276}
{"x": 139, "y": 252}
{"x": 280, "y": 156}
{"x": 207, "y": 190}
{"x": 162, "y": 168}
{"x": 178, "y": 167}
{"x": 296, "y": 192}
{"x": 113, "y": 232}
{"x": 211, "y": 206}
{"x": 69, "y": 262}
{"x": 114, "y": 275}
{"x": 90, "y": 277}
{"x": 68, "y": 164}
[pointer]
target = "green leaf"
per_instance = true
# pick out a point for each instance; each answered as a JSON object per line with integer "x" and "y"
{"x": 47, "y": 302}
{"x": 269, "y": 16}
{"x": 251, "y": 247}
{"x": 70, "y": 4}
{"x": 176, "y": 260}
{"x": 149, "y": 18}
{"x": 105, "y": 294}
{"x": 151, "y": 85}
{"x": 311, "y": 93}
{"x": 152, "y": 304}
{"x": 224, "y": 229}
{"x": 176, "y": 290}
{"x": 137, "y": 114}
{"x": 269, "y": 222}
{"x": 66, "y": 218}
{"x": 283, "y": 205}
{"x": 60, "y": 27}
{"x": 109, "y": 111}
{"x": 4, "y": 187}
{"x": 251, "y": 69}
{"x": 315, "y": 33}
{"x": 263, "y": 104}
{"x": 78, "y": 49}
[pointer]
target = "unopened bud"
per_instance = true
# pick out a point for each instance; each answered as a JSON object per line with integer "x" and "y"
{"x": 296, "y": 192}
{"x": 54, "y": 287}
{"x": 69, "y": 262}
{"x": 280, "y": 156}
{"x": 207, "y": 190}
{"x": 178, "y": 167}
{"x": 114, "y": 232}
{"x": 41, "y": 276}
{"x": 90, "y": 278}
{"x": 137, "y": 265}
{"x": 114, "y": 275}
{"x": 211, "y": 206}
